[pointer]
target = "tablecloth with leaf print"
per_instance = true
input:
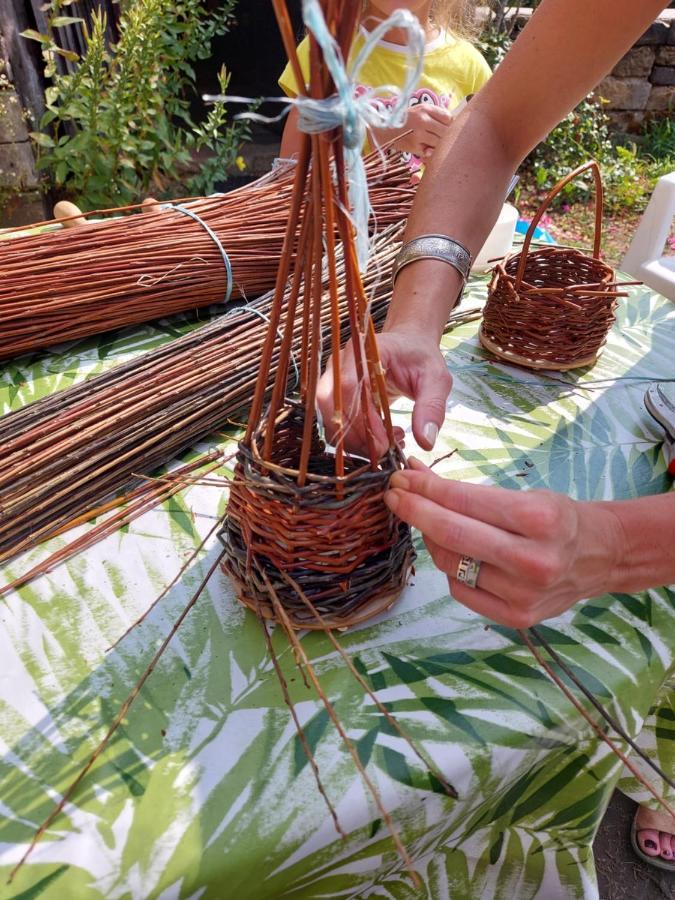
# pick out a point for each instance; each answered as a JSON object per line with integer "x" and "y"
{"x": 205, "y": 790}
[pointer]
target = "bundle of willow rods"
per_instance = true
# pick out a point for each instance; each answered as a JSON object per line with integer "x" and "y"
{"x": 80, "y": 281}
{"x": 65, "y": 454}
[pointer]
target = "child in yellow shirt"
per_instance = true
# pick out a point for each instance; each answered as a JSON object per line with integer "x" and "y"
{"x": 453, "y": 69}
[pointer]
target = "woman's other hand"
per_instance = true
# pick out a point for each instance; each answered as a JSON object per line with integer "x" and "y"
{"x": 414, "y": 367}
{"x": 540, "y": 551}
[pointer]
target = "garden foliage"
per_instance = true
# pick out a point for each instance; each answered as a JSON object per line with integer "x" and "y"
{"x": 118, "y": 126}
{"x": 629, "y": 169}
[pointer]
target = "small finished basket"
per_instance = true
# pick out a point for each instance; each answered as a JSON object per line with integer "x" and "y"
{"x": 551, "y": 308}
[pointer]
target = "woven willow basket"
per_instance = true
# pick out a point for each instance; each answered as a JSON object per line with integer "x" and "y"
{"x": 551, "y": 308}
{"x": 332, "y": 542}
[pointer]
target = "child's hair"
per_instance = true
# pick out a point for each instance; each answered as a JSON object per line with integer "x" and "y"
{"x": 456, "y": 16}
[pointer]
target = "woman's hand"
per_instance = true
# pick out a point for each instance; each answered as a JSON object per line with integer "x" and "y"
{"x": 414, "y": 367}
{"x": 425, "y": 126}
{"x": 540, "y": 551}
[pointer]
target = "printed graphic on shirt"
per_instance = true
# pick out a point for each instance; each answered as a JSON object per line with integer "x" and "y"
{"x": 420, "y": 96}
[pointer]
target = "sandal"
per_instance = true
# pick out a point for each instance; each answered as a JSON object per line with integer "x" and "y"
{"x": 657, "y": 861}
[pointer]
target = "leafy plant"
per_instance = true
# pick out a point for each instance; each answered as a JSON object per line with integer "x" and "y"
{"x": 628, "y": 171}
{"x": 497, "y": 33}
{"x": 119, "y": 125}
{"x": 220, "y": 142}
{"x": 494, "y": 44}
{"x": 582, "y": 135}
{"x": 658, "y": 142}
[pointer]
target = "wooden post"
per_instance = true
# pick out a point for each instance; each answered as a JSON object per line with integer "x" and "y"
{"x": 23, "y": 57}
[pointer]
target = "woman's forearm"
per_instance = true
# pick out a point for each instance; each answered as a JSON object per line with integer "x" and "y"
{"x": 648, "y": 552}
{"x": 451, "y": 200}
{"x": 562, "y": 54}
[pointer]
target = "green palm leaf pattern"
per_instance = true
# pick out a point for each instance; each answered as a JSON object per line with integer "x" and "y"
{"x": 205, "y": 791}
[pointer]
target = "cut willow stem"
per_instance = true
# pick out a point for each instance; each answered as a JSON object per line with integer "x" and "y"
{"x": 66, "y": 454}
{"x": 116, "y": 722}
{"x": 148, "y": 497}
{"x": 320, "y": 211}
{"x": 607, "y": 716}
{"x": 70, "y": 283}
{"x": 596, "y": 728}
{"x": 195, "y": 553}
{"x": 293, "y": 639}
{"x": 433, "y": 769}
{"x": 355, "y": 288}
{"x": 281, "y": 279}
{"x": 283, "y": 684}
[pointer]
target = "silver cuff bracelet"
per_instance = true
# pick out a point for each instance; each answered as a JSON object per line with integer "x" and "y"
{"x": 434, "y": 246}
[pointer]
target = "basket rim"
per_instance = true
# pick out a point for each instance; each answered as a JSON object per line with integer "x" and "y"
{"x": 387, "y": 464}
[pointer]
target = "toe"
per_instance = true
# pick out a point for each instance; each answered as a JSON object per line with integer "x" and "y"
{"x": 666, "y": 844}
{"x": 649, "y": 841}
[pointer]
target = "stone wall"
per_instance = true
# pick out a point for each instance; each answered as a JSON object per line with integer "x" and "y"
{"x": 642, "y": 84}
{"x": 20, "y": 199}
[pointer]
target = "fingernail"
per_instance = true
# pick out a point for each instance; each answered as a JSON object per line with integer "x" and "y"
{"x": 430, "y": 433}
{"x": 391, "y": 498}
{"x": 399, "y": 480}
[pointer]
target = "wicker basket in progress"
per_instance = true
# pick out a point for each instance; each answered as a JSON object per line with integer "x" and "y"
{"x": 551, "y": 308}
{"x": 331, "y": 547}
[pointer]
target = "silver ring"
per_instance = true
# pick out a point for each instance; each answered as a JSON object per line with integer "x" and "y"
{"x": 468, "y": 571}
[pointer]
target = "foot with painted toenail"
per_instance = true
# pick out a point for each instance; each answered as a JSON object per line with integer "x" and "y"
{"x": 655, "y": 837}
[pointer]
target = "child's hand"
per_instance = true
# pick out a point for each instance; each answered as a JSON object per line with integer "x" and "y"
{"x": 424, "y": 128}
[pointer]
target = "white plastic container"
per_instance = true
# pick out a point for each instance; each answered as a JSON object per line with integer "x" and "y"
{"x": 499, "y": 241}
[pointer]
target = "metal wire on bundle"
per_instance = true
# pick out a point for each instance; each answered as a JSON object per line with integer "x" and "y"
{"x": 160, "y": 260}
{"x": 65, "y": 454}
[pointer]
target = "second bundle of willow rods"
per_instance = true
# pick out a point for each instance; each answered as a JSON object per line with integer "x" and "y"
{"x": 80, "y": 281}
{"x": 65, "y": 454}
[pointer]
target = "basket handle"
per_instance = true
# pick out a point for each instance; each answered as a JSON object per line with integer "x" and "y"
{"x": 593, "y": 166}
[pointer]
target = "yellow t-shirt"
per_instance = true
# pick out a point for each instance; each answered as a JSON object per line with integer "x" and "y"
{"x": 453, "y": 69}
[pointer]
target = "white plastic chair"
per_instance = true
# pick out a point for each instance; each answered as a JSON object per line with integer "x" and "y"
{"x": 643, "y": 259}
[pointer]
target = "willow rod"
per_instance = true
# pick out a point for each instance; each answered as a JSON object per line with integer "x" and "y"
{"x": 106, "y": 274}
{"x": 70, "y": 452}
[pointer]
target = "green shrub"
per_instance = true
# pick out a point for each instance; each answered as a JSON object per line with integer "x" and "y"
{"x": 658, "y": 143}
{"x": 628, "y": 177}
{"x": 494, "y": 43}
{"x": 119, "y": 126}
{"x": 628, "y": 171}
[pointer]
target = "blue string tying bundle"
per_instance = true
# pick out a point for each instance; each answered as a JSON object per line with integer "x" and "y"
{"x": 354, "y": 114}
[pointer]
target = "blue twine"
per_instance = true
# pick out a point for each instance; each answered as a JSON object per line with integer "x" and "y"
{"x": 354, "y": 114}
{"x": 214, "y": 237}
{"x": 345, "y": 110}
